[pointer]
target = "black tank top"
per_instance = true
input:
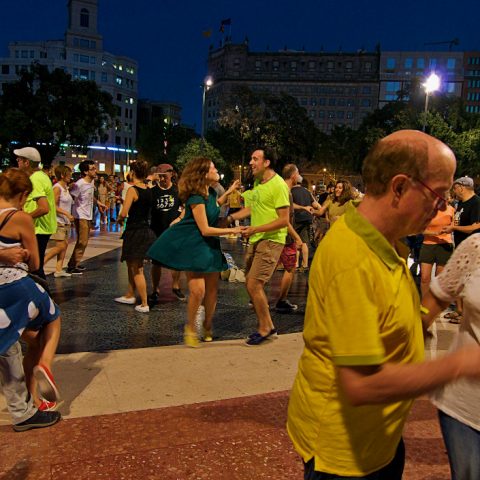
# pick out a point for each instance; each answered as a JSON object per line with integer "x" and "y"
{"x": 140, "y": 210}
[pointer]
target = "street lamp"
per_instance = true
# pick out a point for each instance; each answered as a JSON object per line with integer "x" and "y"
{"x": 207, "y": 83}
{"x": 431, "y": 85}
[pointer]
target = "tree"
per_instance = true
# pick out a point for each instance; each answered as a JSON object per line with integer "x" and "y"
{"x": 161, "y": 142}
{"x": 200, "y": 148}
{"x": 274, "y": 121}
{"x": 49, "y": 108}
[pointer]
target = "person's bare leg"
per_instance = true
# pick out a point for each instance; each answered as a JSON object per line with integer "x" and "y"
{"x": 175, "y": 279}
{"x": 425, "y": 277}
{"x": 256, "y": 291}
{"x": 304, "y": 255}
{"x": 131, "y": 282}
{"x": 210, "y": 298}
{"x": 196, "y": 289}
{"x": 140, "y": 281}
{"x": 285, "y": 284}
{"x": 156, "y": 274}
{"x": 55, "y": 251}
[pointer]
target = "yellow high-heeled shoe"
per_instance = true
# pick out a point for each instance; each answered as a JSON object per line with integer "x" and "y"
{"x": 190, "y": 339}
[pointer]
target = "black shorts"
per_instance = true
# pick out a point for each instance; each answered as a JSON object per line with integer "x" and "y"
{"x": 303, "y": 230}
{"x": 437, "y": 253}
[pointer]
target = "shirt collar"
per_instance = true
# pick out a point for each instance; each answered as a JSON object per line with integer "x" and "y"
{"x": 389, "y": 255}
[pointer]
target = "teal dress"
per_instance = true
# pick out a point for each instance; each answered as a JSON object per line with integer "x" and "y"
{"x": 182, "y": 246}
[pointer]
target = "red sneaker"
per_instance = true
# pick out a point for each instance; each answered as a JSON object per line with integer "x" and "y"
{"x": 47, "y": 406}
{"x": 46, "y": 384}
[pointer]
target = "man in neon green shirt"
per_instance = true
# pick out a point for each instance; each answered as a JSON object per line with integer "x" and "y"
{"x": 268, "y": 206}
{"x": 362, "y": 364}
{"x": 40, "y": 203}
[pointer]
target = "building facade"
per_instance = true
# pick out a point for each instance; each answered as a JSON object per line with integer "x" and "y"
{"x": 81, "y": 54}
{"x": 334, "y": 88}
{"x": 402, "y": 73}
{"x": 471, "y": 90}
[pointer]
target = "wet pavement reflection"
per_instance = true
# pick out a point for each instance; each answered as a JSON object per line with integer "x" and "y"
{"x": 92, "y": 321}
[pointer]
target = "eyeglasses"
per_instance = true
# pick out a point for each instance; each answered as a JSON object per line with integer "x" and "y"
{"x": 441, "y": 202}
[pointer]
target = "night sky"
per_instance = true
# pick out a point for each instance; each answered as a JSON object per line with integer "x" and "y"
{"x": 165, "y": 36}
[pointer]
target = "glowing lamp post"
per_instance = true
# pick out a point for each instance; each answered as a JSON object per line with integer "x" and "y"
{"x": 207, "y": 83}
{"x": 431, "y": 85}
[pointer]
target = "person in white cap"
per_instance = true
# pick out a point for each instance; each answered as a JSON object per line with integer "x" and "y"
{"x": 40, "y": 204}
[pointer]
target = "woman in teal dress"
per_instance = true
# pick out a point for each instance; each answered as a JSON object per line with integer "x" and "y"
{"x": 192, "y": 245}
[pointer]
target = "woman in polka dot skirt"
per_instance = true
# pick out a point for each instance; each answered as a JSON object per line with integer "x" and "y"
{"x": 26, "y": 309}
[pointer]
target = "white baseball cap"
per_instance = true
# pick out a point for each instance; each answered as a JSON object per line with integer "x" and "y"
{"x": 30, "y": 153}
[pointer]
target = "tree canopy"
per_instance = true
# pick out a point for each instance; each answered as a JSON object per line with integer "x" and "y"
{"x": 49, "y": 108}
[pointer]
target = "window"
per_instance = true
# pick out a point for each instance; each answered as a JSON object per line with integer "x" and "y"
{"x": 341, "y": 102}
{"x": 332, "y": 102}
{"x": 366, "y": 102}
{"x": 330, "y": 66}
{"x": 368, "y": 66}
{"x": 450, "y": 63}
{"x": 390, "y": 63}
{"x": 5, "y": 69}
{"x": 93, "y": 44}
{"x": 43, "y": 54}
{"x": 104, "y": 77}
{"x": 393, "y": 86}
{"x": 450, "y": 87}
{"x": 349, "y": 115}
{"x": 420, "y": 63}
{"x": 275, "y": 65}
{"x": 17, "y": 54}
{"x": 348, "y": 65}
{"x": 119, "y": 97}
{"x": 312, "y": 113}
{"x": 258, "y": 65}
{"x": 92, "y": 75}
{"x": 321, "y": 114}
{"x": 93, "y": 60}
{"x": 409, "y": 63}
{"x": 293, "y": 66}
{"x": 313, "y": 102}
{"x": 350, "y": 102}
{"x": 32, "y": 53}
{"x": 311, "y": 65}
{"x": 130, "y": 70}
{"x": 340, "y": 114}
{"x": 84, "y": 18}
{"x": 84, "y": 58}
{"x": 433, "y": 63}
{"x": 331, "y": 114}
{"x": 304, "y": 101}
{"x": 83, "y": 74}
{"x": 118, "y": 80}
{"x": 84, "y": 43}
{"x": 24, "y": 53}
{"x": 367, "y": 90}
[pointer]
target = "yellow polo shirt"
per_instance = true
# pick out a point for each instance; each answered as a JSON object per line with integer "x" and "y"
{"x": 362, "y": 309}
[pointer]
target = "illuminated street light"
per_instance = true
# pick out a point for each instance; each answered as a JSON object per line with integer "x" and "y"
{"x": 431, "y": 85}
{"x": 207, "y": 83}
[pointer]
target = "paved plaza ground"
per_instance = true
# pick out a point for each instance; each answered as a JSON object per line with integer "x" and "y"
{"x": 138, "y": 404}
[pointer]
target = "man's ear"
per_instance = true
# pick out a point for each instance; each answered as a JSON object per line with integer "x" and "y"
{"x": 399, "y": 185}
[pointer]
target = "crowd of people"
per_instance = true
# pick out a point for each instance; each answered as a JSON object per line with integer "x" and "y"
{"x": 365, "y": 322}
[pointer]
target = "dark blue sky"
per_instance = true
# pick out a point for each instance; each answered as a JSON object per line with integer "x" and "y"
{"x": 165, "y": 36}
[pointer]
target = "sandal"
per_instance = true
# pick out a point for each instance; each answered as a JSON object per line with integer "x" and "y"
{"x": 451, "y": 315}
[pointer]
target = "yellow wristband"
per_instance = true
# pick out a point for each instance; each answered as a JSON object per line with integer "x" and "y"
{"x": 424, "y": 310}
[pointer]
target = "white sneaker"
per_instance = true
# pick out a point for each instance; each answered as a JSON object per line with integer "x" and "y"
{"x": 127, "y": 300}
{"x": 142, "y": 309}
{"x": 62, "y": 274}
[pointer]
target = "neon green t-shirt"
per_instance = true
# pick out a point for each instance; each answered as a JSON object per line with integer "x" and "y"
{"x": 42, "y": 187}
{"x": 263, "y": 200}
{"x": 362, "y": 309}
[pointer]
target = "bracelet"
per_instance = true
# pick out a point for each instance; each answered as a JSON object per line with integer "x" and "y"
{"x": 229, "y": 219}
{"x": 424, "y": 310}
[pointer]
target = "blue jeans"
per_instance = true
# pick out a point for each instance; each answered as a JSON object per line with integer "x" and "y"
{"x": 463, "y": 448}
{"x": 393, "y": 471}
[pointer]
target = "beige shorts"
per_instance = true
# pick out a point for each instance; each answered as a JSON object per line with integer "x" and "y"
{"x": 262, "y": 258}
{"x": 62, "y": 233}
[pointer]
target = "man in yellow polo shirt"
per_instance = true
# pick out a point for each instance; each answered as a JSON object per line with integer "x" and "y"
{"x": 362, "y": 364}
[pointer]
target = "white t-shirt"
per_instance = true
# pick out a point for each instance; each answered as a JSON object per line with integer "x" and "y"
{"x": 83, "y": 194}
{"x": 461, "y": 278}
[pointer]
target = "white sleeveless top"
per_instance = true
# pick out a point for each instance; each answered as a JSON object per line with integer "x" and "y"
{"x": 65, "y": 203}
{"x": 7, "y": 273}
